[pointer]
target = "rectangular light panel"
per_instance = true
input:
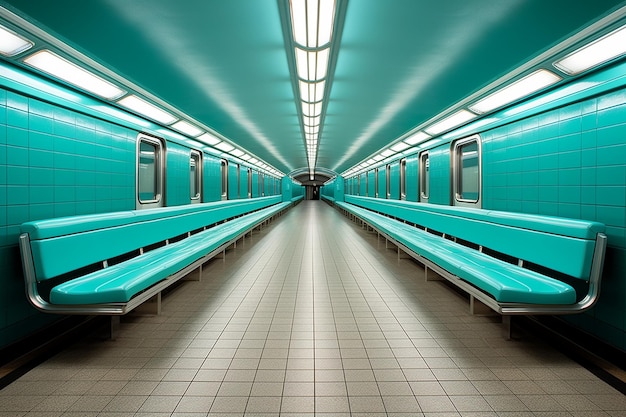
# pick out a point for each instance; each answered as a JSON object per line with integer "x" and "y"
{"x": 523, "y": 87}
{"x": 149, "y": 110}
{"x": 187, "y": 128}
{"x": 12, "y": 44}
{"x": 449, "y": 122}
{"x": 596, "y": 53}
{"x": 71, "y": 73}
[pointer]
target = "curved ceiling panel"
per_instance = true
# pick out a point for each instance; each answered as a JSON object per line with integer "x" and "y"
{"x": 224, "y": 63}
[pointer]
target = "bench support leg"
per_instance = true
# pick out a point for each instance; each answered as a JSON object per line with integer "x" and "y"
{"x": 507, "y": 327}
{"x": 478, "y": 308}
{"x": 114, "y": 329}
{"x": 431, "y": 275}
{"x": 152, "y": 306}
{"x": 195, "y": 275}
{"x": 403, "y": 255}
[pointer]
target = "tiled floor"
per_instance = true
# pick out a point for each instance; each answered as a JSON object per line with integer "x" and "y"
{"x": 311, "y": 317}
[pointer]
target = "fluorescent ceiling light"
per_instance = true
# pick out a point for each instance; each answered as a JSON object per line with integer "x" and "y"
{"x": 378, "y": 158}
{"x": 11, "y": 43}
{"x": 312, "y": 65}
{"x": 225, "y": 146}
{"x": 310, "y": 28}
{"x": 311, "y": 129}
{"x": 71, "y": 73}
{"x": 253, "y": 161}
{"x": 416, "y": 138}
{"x": 386, "y": 153}
{"x": 187, "y": 128}
{"x": 245, "y": 157}
{"x": 521, "y": 88}
{"x": 209, "y": 139}
{"x": 144, "y": 108}
{"x": 312, "y": 92}
{"x": 449, "y": 122}
{"x": 311, "y": 109}
{"x": 237, "y": 152}
{"x": 312, "y": 121}
{"x": 325, "y": 21}
{"x": 596, "y": 53}
{"x": 400, "y": 146}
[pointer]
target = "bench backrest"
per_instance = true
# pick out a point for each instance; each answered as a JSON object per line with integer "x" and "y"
{"x": 66, "y": 244}
{"x": 563, "y": 245}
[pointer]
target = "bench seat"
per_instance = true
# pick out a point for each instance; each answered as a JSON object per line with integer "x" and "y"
{"x": 66, "y": 260}
{"x": 505, "y": 286}
{"x": 120, "y": 282}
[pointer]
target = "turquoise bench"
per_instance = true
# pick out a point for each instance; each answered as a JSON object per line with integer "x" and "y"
{"x": 512, "y": 263}
{"x": 109, "y": 264}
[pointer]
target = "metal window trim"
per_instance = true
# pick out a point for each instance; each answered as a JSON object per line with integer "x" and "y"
{"x": 160, "y": 165}
{"x": 456, "y": 165}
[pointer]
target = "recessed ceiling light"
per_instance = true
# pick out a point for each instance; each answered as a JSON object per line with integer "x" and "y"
{"x": 58, "y": 67}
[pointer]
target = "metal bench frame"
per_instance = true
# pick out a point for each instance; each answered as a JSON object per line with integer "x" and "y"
{"x": 480, "y": 300}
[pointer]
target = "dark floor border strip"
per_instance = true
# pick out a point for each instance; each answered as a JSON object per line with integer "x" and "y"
{"x": 23, "y": 356}
{"x": 580, "y": 347}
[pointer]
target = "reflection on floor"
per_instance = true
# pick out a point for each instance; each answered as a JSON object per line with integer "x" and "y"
{"x": 312, "y": 316}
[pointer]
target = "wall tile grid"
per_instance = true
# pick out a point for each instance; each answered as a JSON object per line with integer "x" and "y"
{"x": 178, "y": 177}
{"x": 53, "y": 162}
{"x": 439, "y": 161}
{"x": 570, "y": 162}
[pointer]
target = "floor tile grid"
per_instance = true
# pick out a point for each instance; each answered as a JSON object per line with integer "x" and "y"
{"x": 306, "y": 327}
{"x": 531, "y": 359}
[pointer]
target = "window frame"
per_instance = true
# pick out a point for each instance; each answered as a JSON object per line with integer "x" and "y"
{"x": 403, "y": 179}
{"x": 457, "y": 172}
{"x": 376, "y": 183}
{"x": 224, "y": 179}
{"x": 249, "y": 182}
{"x": 388, "y": 181}
{"x": 197, "y": 177}
{"x": 159, "y": 170}
{"x": 424, "y": 176}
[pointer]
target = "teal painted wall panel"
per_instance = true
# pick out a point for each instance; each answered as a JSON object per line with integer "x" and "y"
{"x": 570, "y": 162}
{"x": 53, "y": 162}
{"x": 371, "y": 183}
{"x": 178, "y": 186}
{"x": 412, "y": 183}
{"x": 439, "y": 175}
{"x": 243, "y": 182}
{"x": 382, "y": 182}
{"x": 212, "y": 187}
{"x": 233, "y": 181}
{"x": 394, "y": 181}
{"x": 362, "y": 184}
{"x": 256, "y": 189}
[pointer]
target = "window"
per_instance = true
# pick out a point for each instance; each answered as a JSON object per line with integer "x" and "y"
{"x": 149, "y": 172}
{"x": 224, "y": 176}
{"x": 403, "y": 179}
{"x": 195, "y": 176}
{"x": 466, "y": 167}
{"x": 238, "y": 193}
{"x": 388, "y": 181}
{"x": 249, "y": 182}
{"x": 424, "y": 177}
{"x": 376, "y": 182}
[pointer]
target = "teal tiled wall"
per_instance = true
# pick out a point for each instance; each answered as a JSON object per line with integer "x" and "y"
{"x": 570, "y": 162}
{"x": 212, "y": 188}
{"x": 439, "y": 175}
{"x": 53, "y": 162}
